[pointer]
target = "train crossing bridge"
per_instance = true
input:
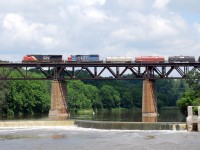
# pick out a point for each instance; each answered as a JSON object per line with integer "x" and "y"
{"x": 60, "y": 72}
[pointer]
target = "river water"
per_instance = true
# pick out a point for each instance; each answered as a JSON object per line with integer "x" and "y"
{"x": 134, "y": 115}
{"x": 75, "y": 138}
{"x": 127, "y": 115}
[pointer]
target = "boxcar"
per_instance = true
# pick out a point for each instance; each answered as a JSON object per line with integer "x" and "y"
{"x": 42, "y": 58}
{"x": 118, "y": 59}
{"x": 84, "y": 58}
{"x": 173, "y": 59}
{"x": 149, "y": 59}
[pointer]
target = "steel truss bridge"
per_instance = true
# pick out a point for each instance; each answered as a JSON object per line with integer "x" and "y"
{"x": 71, "y": 71}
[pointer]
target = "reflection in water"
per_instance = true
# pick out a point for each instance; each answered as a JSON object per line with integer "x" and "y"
{"x": 126, "y": 115}
{"x": 133, "y": 115}
{"x": 149, "y": 118}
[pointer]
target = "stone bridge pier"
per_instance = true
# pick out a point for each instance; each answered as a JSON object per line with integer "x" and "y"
{"x": 59, "y": 109}
{"x": 149, "y": 98}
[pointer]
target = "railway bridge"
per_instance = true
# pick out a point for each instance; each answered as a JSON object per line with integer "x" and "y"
{"x": 61, "y": 72}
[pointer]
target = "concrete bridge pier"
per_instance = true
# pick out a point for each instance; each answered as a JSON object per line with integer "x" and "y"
{"x": 149, "y": 98}
{"x": 59, "y": 109}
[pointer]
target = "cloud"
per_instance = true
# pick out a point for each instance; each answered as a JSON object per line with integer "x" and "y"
{"x": 114, "y": 27}
{"x": 146, "y": 28}
{"x": 191, "y": 6}
{"x": 160, "y": 4}
{"x": 19, "y": 28}
{"x": 93, "y": 2}
{"x": 95, "y": 15}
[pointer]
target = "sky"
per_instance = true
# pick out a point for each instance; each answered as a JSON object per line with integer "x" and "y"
{"x": 105, "y": 27}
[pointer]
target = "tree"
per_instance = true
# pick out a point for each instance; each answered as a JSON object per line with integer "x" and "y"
{"x": 110, "y": 97}
{"x": 192, "y": 96}
{"x": 4, "y": 94}
{"x": 83, "y": 96}
{"x": 193, "y": 80}
{"x": 28, "y": 97}
{"x": 127, "y": 100}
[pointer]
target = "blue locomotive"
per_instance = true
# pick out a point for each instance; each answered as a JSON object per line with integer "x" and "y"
{"x": 84, "y": 58}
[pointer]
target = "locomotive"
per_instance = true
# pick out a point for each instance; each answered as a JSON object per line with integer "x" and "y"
{"x": 42, "y": 58}
{"x": 84, "y": 58}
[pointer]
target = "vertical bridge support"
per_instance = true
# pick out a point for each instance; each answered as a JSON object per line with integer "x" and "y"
{"x": 149, "y": 98}
{"x": 58, "y": 108}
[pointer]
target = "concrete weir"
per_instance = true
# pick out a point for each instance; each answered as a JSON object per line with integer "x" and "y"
{"x": 107, "y": 125}
{"x": 131, "y": 125}
{"x": 35, "y": 123}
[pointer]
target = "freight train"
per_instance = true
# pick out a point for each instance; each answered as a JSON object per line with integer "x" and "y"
{"x": 95, "y": 58}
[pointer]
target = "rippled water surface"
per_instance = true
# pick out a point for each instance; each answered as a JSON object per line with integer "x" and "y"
{"x": 74, "y": 138}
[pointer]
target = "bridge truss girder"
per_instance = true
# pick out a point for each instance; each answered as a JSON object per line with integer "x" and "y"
{"x": 95, "y": 71}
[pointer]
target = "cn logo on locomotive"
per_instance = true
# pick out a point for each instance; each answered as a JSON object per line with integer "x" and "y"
{"x": 46, "y": 57}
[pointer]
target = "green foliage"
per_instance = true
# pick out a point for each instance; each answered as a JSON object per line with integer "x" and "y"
{"x": 82, "y": 96}
{"x": 185, "y": 101}
{"x": 174, "y": 88}
{"x": 28, "y": 97}
{"x": 25, "y": 97}
{"x": 193, "y": 80}
{"x": 110, "y": 97}
{"x": 192, "y": 96}
{"x": 4, "y": 94}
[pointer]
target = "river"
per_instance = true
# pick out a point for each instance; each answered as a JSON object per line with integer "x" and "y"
{"x": 127, "y": 115}
{"x": 134, "y": 115}
{"x": 75, "y": 138}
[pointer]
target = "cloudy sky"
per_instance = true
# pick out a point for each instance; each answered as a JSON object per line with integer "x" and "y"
{"x": 105, "y": 27}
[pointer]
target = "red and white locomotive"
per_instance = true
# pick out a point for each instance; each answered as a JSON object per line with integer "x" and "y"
{"x": 42, "y": 58}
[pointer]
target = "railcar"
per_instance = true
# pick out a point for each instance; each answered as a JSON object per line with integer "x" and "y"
{"x": 84, "y": 58}
{"x": 118, "y": 59}
{"x": 4, "y": 62}
{"x": 149, "y": 59}
{"x": 42, "y": 58}
{"x": 172, "y": 59}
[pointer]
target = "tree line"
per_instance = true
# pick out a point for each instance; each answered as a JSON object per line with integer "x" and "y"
{"x": 33, "y": 97}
